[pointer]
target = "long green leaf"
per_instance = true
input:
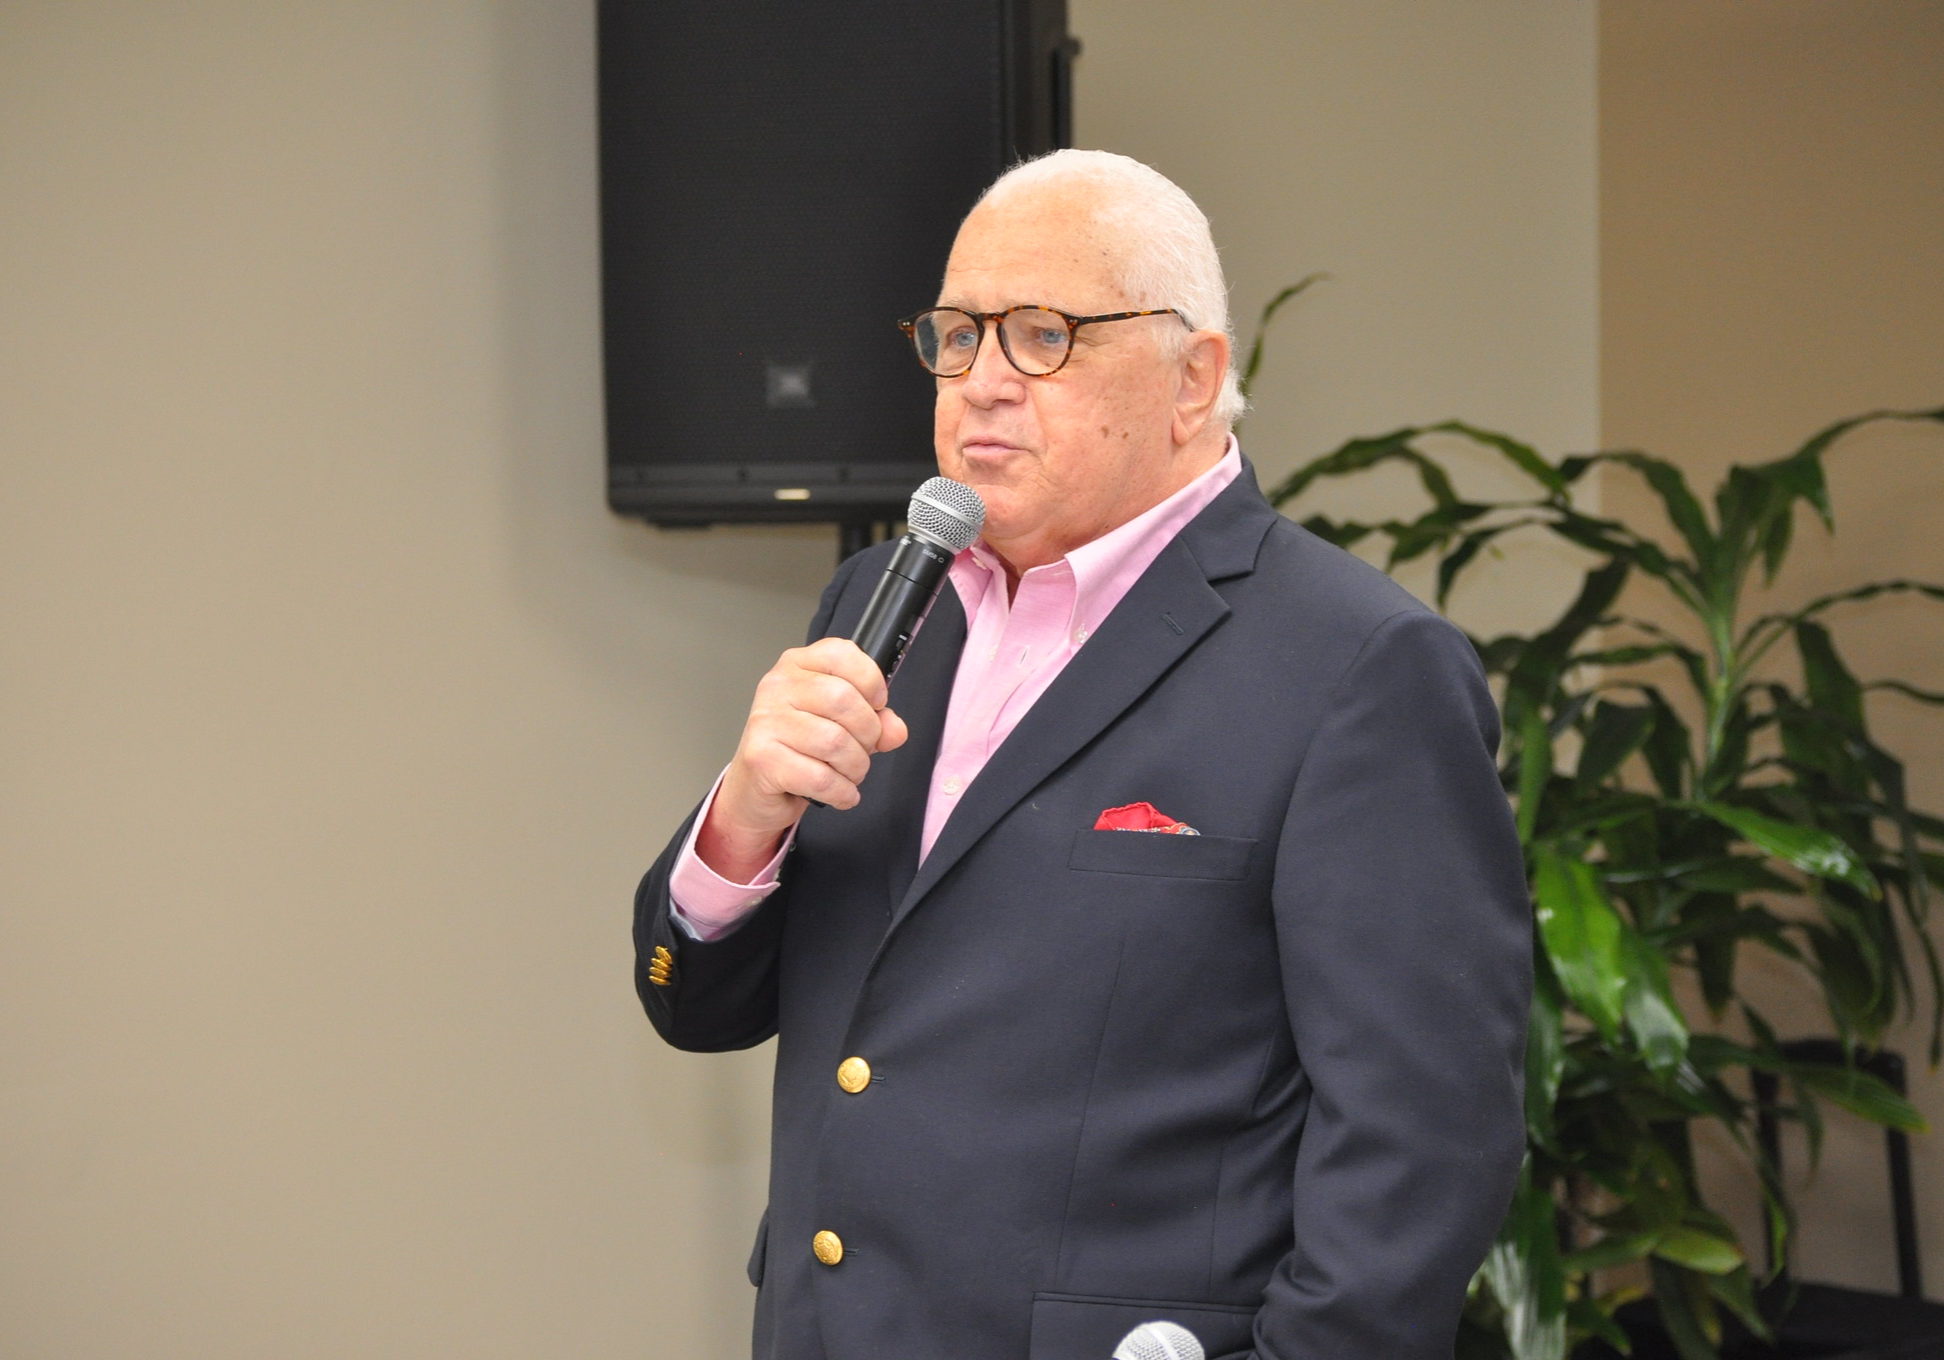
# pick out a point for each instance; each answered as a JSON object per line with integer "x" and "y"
{"x": 1523, "y": 456}
{"x": 1455, "y": 561}
{"x": 1545, "y": 1055}
{"x": 1832, "y": 688}
{"x": 1616, "y": 1250}
{"x": 1669, "y": 748}
{"x": 1801, "y": 473}
{"x": 1583, "y": 934}
{"x": 1685, "y": 1324}
{"x": 1684, "y": 512}
{"x": 1614, "y": 540}
{"x": 1353, "y": 455}
{"x": 1717, "y": 928}
{"x": 1735, "y": 874}
{"x": 1909, "y": 691}
{"x": 1523, "y": 1270}
{"x": 1697, "y": 1250}
{"x": 1913, "y": 878}
{"x": 1615, "y": 732}
{"x": 1536, "y": 673}
{"x": 1854, "y": 982}
{"x": 1436, "y": 527}
{"x": 1812, "y": 851}
{"x": 1652, "y": 1015}
{"x": 1344, "y": 534}
{"x": 1759, "y": 635}
{"x": 1262, "y": 328}
{"x": 1736, "y": 1289}
{"x": 1535, "y": 769}
{"x": 1593, "y": 1318}
{"x": 1862, "y": 1094}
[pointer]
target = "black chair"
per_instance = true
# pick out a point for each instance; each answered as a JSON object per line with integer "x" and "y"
{"x": 1819, "y": 1321}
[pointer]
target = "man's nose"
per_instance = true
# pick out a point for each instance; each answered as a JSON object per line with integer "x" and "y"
{"x": 992, "y": 378}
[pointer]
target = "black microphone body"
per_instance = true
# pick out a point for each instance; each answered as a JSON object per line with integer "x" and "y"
{"x": 910, "y": 583}
{"x": 945, "y": 516}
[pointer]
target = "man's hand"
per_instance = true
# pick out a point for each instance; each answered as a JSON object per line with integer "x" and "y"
{"x": 818, "y": 716}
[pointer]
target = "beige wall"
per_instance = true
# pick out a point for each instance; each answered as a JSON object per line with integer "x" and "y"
{"x": 338, "y": 716}
{"x": 1772, "y": 259}
{"x": 1436, "y": 159}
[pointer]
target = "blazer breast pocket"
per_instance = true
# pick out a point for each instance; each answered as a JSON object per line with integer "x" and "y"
{"x": 1157, "y": 854}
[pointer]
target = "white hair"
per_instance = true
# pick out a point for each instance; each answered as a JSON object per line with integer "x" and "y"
{"x": 1167, "y": 253}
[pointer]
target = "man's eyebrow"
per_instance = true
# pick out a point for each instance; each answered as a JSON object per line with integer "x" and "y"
{"x": 965, "y": 306}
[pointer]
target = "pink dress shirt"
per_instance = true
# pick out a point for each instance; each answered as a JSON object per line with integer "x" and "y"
{"x": 1014, "y": 648}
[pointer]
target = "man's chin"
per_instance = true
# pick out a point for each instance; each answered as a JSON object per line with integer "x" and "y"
{"x": 989, "y": 464}
{"x": 1002, "y": 509}
{"x": 1013, "y": 531}
{"x": 991, "y": 488}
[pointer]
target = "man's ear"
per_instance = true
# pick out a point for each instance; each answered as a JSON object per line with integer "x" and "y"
{"x": 1204, "y": 363}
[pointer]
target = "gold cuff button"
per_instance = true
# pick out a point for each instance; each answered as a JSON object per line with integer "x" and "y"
{"x": 853, "y": 1074}
{"x": 828, "y": 1247}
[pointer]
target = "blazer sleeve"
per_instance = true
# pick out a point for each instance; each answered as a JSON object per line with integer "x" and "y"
{"x": 1404, "y": 926}
{"x": 716, "y": 995}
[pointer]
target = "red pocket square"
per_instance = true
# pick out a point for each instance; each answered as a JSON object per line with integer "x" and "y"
{"x": 1142, "y": 817}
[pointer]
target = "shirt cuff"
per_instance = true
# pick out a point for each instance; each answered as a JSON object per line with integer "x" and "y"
{"x": 705, "y": 905}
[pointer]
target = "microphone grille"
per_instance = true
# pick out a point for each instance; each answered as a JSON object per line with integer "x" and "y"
{"x": 947, "y": 512}
{"x": 1159, "y": 1341}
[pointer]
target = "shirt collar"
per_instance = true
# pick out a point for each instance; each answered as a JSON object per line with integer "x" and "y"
{"x": 1104, "y": 569}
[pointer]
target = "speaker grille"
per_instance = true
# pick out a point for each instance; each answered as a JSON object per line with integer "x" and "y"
{"x": 780, "y": 183}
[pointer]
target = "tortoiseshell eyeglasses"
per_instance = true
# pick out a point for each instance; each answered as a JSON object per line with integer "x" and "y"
{"x": 1036, "y": 340}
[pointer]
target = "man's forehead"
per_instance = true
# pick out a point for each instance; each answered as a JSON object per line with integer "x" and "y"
{"x": 1033, "y": 248}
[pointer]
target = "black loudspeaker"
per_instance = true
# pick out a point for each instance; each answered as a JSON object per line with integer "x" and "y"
{"x": 780, "y": 182}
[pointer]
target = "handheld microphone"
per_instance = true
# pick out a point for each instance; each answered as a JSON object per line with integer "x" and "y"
{"x": 1159, "y": 1341}
{"x": 944, "y": 517}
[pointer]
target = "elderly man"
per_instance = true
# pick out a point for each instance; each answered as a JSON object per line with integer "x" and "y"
{"x": 1041, "y": 1077}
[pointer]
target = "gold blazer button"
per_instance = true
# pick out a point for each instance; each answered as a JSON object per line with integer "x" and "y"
{"x": 853, "y": 1074}
{"x": 828, "y": 1247}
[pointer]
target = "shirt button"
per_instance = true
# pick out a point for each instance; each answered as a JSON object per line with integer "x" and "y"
{"x": 953, "y": 787}
{"x": 828, "y": 1247}
{"x": 853, "y": 1074}
{"x": 1082, "y": 635}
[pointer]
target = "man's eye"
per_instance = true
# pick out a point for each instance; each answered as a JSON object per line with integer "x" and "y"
{"x": 960, "y": 338}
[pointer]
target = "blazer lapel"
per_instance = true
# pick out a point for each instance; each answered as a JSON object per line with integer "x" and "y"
{"x": 1161, "y": 619}
{"x": 921, "y": 690}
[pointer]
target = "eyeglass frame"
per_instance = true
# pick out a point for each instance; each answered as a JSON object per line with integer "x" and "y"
{"x": 909, "y": 325}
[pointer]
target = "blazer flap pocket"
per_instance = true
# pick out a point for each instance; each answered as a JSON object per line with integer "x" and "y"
{"x": 1070, "y": 1325}
{"x": 1154, "y": 852}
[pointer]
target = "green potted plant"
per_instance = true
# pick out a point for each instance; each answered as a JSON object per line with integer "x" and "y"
{"x": 1682, "y": 802}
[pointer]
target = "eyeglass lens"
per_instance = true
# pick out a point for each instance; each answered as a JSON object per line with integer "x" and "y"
{"x": 1035, "y": 340}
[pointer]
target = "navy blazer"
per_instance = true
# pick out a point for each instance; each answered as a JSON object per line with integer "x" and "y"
{"x": 1264, "y": 1081}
